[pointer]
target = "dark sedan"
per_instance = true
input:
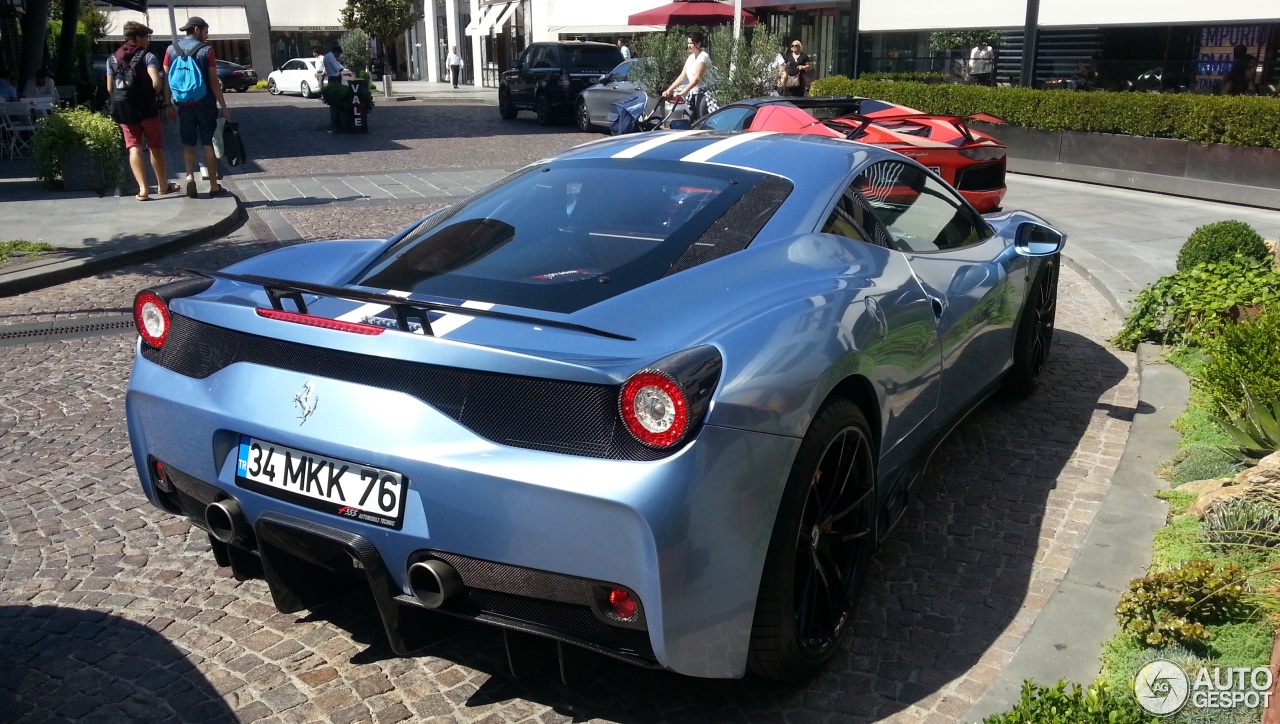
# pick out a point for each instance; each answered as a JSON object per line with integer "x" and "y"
{"x": 236, "y": 77}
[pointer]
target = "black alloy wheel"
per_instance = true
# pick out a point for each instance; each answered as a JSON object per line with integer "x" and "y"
{"x": 542, "y": 109}
{"x": 821, "y": 548}
{"x": 1035, "y": 332}
{"x": 505, "y": 107}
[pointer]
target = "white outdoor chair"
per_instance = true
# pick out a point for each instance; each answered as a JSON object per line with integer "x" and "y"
{"x": 15, "y": 117}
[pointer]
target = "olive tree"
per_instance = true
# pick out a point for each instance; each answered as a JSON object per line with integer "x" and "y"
{"x": 383, "y": 20}
{"x": 356, "y": 52}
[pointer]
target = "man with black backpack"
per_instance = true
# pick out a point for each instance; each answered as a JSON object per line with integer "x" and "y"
{"x": 193, "y": 83}
{"x": 137, "y": 95}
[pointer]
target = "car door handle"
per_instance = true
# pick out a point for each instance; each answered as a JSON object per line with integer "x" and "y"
{"x": 939, "y": 306}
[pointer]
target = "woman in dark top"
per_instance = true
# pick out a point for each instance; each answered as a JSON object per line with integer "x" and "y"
{"x": 798, "y": 67}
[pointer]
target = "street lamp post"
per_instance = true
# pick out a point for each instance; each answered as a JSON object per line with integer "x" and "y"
{"x": 1030, "y": 43}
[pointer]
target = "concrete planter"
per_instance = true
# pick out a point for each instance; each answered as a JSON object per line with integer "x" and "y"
{"x": 1219, "y": 172}
{"x": 84, "y": 172}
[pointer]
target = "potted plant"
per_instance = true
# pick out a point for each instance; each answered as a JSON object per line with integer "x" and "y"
{"x": 342, "y": 108}
{"x": 78, "y": 150}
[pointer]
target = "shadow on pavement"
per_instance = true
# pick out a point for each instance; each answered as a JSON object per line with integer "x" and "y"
{"x": 76, "y": 664}
{"x": 945, "y": 586}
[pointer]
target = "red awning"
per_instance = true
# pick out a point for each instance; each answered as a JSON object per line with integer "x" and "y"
{"x": 692, "y": 13}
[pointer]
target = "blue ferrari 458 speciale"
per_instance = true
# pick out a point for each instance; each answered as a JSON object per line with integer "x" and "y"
{"x": 659, "y": 397}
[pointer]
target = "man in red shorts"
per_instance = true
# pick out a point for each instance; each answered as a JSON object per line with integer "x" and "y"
{"x": 139, "y": 104}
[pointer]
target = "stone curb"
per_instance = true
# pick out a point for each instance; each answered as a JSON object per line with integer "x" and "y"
{"x": 39, "y": 276}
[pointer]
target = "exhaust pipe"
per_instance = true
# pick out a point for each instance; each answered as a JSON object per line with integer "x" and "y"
{"x": 225, "y": 521}
{"x": 433, "y": 582}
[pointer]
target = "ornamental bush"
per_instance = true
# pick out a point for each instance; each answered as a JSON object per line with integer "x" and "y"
{"x": 66, "y": 134}
{"x": 1237, "y": 120}
{"x": 1221, "y": 241}
{"x": 1072, "y": 704}
{"x": 1173, "y": 606}
{"x": 1191, "y": 306}
{"x": 1243, "y": 355}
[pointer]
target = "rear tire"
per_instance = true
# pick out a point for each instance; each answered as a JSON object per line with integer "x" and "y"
{"x": 242, "y": 89}
{"x": 584, "y": 118}
{"x": 1035, "y": 333}
{"x": 306, "y": 90}
{"x": 542, "y": 108}
{"x": 820, "y": 548}
{"x": 505, "y": 108}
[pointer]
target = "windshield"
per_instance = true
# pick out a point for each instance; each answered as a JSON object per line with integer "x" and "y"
{"x": 564, "y": 236}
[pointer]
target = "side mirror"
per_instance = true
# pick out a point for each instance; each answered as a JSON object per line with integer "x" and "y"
{"x": 515, "y": 64}
{"x": 604, "y": 78}
{"x": 1032, "y": 239}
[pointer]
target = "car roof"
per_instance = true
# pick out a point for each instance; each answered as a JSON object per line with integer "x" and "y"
{"x": 575, "y": 43}
{"x": 808, "y": 161}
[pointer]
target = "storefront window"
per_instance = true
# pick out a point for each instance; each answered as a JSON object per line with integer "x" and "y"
{"x": 299, "y": 44}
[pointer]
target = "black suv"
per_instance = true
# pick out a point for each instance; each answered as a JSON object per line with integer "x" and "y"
{"x": 549, "y": 76}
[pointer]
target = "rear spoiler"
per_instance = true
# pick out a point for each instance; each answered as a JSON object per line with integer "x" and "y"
{"x": 406, "y": 309}
{"x": 960, "y": 122}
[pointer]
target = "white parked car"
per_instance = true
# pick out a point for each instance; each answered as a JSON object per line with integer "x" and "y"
{"x": 301, "y": 75}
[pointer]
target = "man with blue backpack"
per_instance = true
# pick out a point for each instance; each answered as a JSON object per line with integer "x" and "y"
{"x": 193, "y": 82}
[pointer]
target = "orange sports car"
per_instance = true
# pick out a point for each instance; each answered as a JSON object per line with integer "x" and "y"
{"x": 971, "y": 161}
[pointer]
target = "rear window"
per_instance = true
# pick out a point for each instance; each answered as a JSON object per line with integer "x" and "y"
{"x": 573, "y": 233}
{"x": 592, "y": 58}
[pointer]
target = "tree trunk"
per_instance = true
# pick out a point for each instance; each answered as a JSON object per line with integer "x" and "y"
{"x": 67, "y": 43}
{"x": 35, "y": 25}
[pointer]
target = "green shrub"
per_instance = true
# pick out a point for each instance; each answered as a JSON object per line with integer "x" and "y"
{"x": 1221, "y": 241}
{"x": 1071, "y": 704}
{"x": 1241, "y": 523}
{"x": 69, "y": 133}
{"x": 1256, "y": 433}
{"x": 1198, "y": 462}
{"x": 1173, "y": 606}
{"x": 1238, "y": 120}
{"x": 19, "y": 247}
{"x": 1245, "y": 355}
{"x": 906, "y": 77}
{"x": 260, "y": 85}
{"x": 1177, "y": 543}
{"x": 1188, "y": 306}
{"x": 1244, "y": 644}
{"x": 1122, "y": 656}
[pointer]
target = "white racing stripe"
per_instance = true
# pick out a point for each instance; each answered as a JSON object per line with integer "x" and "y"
{"x": 706, "y": 153}
{"x": 368, "y": 310}
{"x": 639, "y": 148}
{"x": 452, "y": 321}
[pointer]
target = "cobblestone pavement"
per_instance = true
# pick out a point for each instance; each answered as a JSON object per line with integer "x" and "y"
{"x": 111, "y": 609}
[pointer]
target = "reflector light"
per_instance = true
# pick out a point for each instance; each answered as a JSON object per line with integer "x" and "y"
{"x": 624, "y": 606}
{"x": 982, "y": 153}
{"x": 654, "y": 409}
{"x": 151, "y": 317}
{"x": 321, "y": 322}
{"x": 162, "y": 480}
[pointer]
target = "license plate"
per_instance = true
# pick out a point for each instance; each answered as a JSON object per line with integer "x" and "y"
{"x": 935, "y": 169}
{"x": 319, "y": 482}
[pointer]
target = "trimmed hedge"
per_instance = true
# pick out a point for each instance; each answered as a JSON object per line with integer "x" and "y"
{"x": 1237, "y": 120}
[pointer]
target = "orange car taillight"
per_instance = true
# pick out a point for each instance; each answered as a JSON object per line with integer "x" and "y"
{"x": 151, "y": 317}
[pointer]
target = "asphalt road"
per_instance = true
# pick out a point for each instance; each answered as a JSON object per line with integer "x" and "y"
{"x": 111, "y": 609}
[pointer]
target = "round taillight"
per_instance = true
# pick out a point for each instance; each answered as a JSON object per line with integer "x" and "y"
{"x": 654, "y": 409}
{"x": 151, "y": 316}
{"x": 623, "y": 605}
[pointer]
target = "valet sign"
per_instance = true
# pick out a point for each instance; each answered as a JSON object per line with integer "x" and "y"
{"x": 1163, "y": 688}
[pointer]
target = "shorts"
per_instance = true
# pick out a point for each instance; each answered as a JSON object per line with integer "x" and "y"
{"x": 147, "y": 134}
{"x": 196, "y": 123}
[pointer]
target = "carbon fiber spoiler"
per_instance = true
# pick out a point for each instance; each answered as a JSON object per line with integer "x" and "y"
{"x": 406, "y": 309}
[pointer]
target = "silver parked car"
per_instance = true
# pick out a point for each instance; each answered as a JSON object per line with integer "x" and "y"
{"x": 594, "y": 103}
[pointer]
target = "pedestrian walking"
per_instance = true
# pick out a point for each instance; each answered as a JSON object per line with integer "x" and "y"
{"x": 192, "y": 70}
{"x": 454, "y": 62}
{"x": 981, "y": 63}
{"x": 622, "y": 46}
{"x": 689, "y": 82}
{"x": 796, "y": 83}
{"x": 138, "y": 94}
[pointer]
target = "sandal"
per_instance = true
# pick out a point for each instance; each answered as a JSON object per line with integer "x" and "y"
{"x": 140, "y": 197}
{"x": 218, "y": 191}
{"x": 191, "y": 189}
{"x": 172, "y": 188}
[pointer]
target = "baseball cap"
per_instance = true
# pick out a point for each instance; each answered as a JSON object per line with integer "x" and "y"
{"x": 194, "y": 21}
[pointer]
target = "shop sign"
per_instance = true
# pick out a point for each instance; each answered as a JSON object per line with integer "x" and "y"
{"x": 1217, "y": 49}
